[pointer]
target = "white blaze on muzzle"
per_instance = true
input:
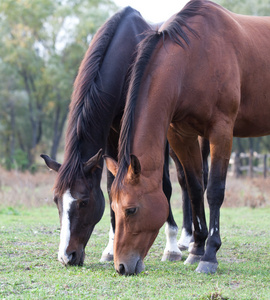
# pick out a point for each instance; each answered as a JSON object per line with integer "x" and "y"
{"x": 65, "y": 228}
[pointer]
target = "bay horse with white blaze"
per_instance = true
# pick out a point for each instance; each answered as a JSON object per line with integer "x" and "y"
{"x": 94, "y": 123}
{"x": 205, "y": 73}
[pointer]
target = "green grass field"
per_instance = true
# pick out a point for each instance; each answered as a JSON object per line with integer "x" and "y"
{"x": 29, "y": 268}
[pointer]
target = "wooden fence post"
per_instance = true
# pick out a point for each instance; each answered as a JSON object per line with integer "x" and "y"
{"x": 236, "y": 165}
{"x": 250, "y": 173}
{"x": 265, "y": 165}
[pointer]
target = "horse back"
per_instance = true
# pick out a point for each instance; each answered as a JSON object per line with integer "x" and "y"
{"x": 226, "y": 69}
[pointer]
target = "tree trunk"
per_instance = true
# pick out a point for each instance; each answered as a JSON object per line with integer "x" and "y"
{"x": 250, "y": 157}
{"x": 59, "y": 123}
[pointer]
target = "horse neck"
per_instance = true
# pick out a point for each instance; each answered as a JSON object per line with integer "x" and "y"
{"x": 90, "y": 148}
{"x": 155, "y": 107}
{"x": 115, "y": 66}
{"x": 150, "y": 139}
{"x": 112, "y": 81}
{"x": 80, "y": 149}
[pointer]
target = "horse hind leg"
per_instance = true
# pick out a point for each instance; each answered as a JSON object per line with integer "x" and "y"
{"x": 171, "y": 252}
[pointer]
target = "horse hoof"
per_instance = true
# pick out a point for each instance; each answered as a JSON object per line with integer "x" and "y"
{"x": 171, "y": 256}
{"x": 207, "y": 267}
{"x": 107, "y": 257}
{"x": 192, "y": 259}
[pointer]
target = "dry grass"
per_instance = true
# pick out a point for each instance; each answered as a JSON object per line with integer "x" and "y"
{"x": 247, "y": 192}
{"x": 35, "y": 190}
{"x": 26, "y": 189}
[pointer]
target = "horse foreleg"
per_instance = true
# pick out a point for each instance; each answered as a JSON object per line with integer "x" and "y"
{"x": 205, "y": 150}
{"x": 220, "y": 149}
{"x": 171, "y": 251}
{"x": 107, "y": 254}
{"x": 111, "y": 150}
{"x": 188, "y": 152}
{"x": 186, "y": 233}
{"x": 186, "y": 239}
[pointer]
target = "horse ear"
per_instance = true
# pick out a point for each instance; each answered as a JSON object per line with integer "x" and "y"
{"x": 52, "y": 164}
{"x": 92, "y": 163}
{"x": 112, "y": 164}
{"x": 134, "y": 169}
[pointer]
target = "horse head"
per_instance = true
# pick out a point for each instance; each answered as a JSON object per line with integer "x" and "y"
{"x": 141, "y": 209}
{"x": 80, "y": 208}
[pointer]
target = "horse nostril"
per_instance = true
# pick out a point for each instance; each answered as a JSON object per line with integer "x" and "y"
{"x": 72, "y": 258}
{"x": 121, "y": 269}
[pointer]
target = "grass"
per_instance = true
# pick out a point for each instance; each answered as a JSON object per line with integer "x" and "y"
{"x": 29, "y": 238}
{"x": 29, "y": 268}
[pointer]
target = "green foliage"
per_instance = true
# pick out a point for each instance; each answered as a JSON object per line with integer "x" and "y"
{"x": 42, "y": 44}
{"x": 247, "y": 7}
{"x": 20, "y": 161}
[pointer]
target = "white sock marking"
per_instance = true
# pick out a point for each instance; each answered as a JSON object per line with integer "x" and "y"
{"x": 184, "y": 239}
{"x": 109, "y": 249}
{"x": 171, "y": 237}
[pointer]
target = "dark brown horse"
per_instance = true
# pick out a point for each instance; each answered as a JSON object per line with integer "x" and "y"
{"x": 94, "y": 123}
{"x": 205, "y": 73}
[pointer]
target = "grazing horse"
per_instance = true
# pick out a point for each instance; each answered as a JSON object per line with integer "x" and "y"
{"x": 205, "y": 73}
{"x": 94, "y": 123}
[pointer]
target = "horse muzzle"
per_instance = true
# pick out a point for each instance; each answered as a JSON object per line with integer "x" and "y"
{"x": 133, "y": 267}
{"x": 74, "y": 258}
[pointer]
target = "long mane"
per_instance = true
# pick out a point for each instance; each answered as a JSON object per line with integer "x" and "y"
{"x": 87, "y": 103}
{"x": 176, "y": 30}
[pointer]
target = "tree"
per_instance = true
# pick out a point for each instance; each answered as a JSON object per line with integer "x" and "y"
{"x": 247, "y": 7}
{"x": 41, "y": 48}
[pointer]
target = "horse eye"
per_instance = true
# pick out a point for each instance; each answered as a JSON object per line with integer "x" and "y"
{"x": 131, "y": 211}
{"x": 82, "y": 203}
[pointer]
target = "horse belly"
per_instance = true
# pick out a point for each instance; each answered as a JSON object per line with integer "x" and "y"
{"x": 253, "y": 119}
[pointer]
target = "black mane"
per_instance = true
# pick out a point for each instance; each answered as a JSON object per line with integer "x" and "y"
{"x": 176, "y": 32}
{"x": 87, "y": 103}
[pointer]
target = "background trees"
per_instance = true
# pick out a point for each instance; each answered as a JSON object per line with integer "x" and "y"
{"x": 247, "y": 7}
{"x": 42, "y": 44}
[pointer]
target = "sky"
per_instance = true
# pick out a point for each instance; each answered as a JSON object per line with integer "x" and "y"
{"x": 154, "y": 11}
